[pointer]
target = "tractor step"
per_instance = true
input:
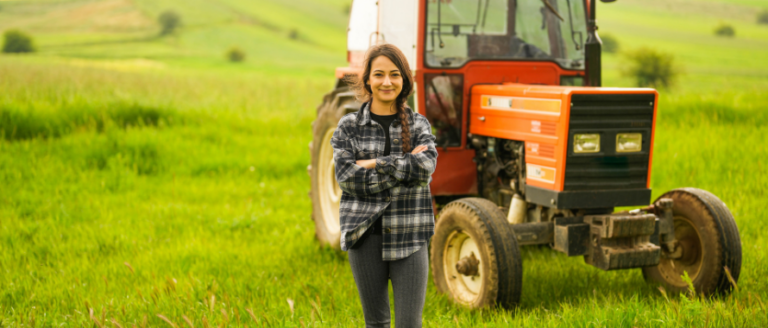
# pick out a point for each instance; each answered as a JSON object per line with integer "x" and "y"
{"x": 620, "y": 241}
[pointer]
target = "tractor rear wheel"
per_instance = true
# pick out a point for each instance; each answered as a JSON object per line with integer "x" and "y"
{"x": 707, "y": 233}
{"x": 474, "y": 255}
{"x": 325, "y": 192}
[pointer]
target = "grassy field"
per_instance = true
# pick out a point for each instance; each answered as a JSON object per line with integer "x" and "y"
{"x": 143, "y": 177}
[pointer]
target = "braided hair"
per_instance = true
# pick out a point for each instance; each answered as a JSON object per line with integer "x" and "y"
{"x": 365, "y": 94}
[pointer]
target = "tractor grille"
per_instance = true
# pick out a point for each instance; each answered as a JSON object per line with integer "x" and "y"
{"x": 609, "y": 115}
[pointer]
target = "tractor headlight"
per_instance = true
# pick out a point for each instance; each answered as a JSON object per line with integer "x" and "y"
{"x": 586, "y": 143}
{"x": 629, "y": 142}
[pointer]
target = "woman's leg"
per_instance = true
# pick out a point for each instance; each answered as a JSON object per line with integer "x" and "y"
{"x": 409, "y": 283}
{"x": 370, "y": 274}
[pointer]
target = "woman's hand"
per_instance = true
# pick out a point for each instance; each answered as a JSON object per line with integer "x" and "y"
{"x": 418, "y": 149}
{"x": 366, "y": 163}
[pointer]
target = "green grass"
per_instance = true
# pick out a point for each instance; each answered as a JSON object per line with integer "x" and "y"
{"x": 213, "y": 196}
{"x": 152, "y": 177}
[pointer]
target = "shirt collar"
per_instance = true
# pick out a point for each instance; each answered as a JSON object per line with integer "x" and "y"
{"x": 364, "y": 115}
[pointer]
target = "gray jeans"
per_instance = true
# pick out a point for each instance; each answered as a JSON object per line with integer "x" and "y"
{"x": 409, "y": 283}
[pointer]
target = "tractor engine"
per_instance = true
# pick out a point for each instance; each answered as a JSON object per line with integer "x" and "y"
{"x": 500, "y": 168}
{"x": 501, "y": 176}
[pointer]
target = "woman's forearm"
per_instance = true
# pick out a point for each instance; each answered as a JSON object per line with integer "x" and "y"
{"x": 366, "y": 163}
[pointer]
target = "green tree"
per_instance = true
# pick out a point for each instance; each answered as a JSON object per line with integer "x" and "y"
{"x": 293, "y": 34}
{"x": 762, "y": 17}
{"x": 725, "y": 30}
{"x": 235, "y": 55}
{"x": 16, "y": 41}
{"x": 169, "y": 21}
{"x": 651, "y": 68}
{"x": 610, "y": 43}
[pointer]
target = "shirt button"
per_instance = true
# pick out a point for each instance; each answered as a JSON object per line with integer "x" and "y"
{"x": 387, "y": 230}
{"x": 396, "y": 141}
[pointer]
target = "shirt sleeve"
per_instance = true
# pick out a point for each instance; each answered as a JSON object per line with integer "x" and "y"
{"x": 352, "y": 178}
{"x": 413, "y": 168}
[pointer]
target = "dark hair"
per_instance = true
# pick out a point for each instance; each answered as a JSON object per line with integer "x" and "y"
{"x": 363, "y": 89}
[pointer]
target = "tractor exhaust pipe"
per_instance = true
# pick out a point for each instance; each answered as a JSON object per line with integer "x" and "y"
{"x": 593, "y": 48}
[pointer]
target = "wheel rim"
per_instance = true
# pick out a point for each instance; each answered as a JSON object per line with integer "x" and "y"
{"x": 692, "y": 257}
{"x": 463, "y": 287}
{"x": 328, "y": 188}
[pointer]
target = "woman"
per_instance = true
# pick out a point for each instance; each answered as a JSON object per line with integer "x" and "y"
{"x": 385, "y": 155}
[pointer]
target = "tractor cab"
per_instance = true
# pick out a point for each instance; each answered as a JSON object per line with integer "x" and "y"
{"x": 459, "y": 31}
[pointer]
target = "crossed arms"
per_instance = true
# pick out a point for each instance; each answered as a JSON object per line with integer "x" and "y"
{"x": 367, "y": 177}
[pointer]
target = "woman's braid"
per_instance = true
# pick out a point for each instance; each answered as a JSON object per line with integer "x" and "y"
{"x": 406, "y": 133}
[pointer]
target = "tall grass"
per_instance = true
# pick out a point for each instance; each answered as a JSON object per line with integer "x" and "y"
{"x": 145, "y": 198}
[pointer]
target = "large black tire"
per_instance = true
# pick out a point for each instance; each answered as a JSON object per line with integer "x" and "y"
{"x": 707, "y": 232}
{"x": 476, "y": 224}
{"x": 325, "y": 192}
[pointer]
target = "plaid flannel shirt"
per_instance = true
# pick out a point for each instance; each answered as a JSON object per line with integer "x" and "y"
{"x": 397, "y": 189}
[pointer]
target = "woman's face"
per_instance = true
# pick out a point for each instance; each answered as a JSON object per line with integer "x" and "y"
{"x": 386, "y": 80}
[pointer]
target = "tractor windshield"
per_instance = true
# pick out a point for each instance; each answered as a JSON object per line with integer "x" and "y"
{"x": 462, "y": 30}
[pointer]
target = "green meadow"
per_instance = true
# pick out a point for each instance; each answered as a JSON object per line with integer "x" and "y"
{"x": 146, "y": 181}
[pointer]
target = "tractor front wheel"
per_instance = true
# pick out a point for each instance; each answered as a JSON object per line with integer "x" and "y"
{"x": 708, "y": 245}
{"x": 474, "y": 255}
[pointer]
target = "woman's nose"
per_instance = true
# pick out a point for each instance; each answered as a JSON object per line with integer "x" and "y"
{"x": 387, "y": 81}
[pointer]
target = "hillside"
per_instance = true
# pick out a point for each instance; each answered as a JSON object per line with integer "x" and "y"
{"x": 126, "y": 30}
{"x": 276, "y": 35}
{"x": 685, "y": 28}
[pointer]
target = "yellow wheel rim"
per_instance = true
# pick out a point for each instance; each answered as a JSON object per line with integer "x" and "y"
{"x": 689, "y": 239}
{"x": 464, "y": 288}
{"x": 328, "y": 188}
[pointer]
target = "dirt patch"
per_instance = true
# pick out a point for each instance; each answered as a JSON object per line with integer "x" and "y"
{"x": 88, "y": 16}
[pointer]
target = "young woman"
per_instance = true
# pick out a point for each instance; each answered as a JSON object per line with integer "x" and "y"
{"x": 385, "y": 155}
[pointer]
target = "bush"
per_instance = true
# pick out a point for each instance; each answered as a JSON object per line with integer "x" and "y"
{"x": 610, "y": 44}
{"x": 236, "y": 55}
{"x": 17, "y": 42}
{"x": 651, "y": 68}
{"x": 293, "y": 34}
{"x": 725, "y": 30}
{"x": 169, "y": 21}
{"x": 762, "y": 17}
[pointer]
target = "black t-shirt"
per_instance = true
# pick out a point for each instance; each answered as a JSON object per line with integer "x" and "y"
{"x": 385, "y": 121}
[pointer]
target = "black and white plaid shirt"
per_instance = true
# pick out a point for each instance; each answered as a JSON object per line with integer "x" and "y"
{"x": 397, "y": 188}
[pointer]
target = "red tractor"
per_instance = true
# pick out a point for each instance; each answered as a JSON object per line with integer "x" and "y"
{"x": 532, "y": 150}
